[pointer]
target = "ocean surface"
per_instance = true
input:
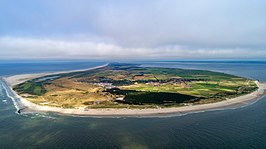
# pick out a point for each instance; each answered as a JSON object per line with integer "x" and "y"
{"x": 232, "y": 128}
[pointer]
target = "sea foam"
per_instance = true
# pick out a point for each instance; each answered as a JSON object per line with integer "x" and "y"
{"x": 9, "y": 96}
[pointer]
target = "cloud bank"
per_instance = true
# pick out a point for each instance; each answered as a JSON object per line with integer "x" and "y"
{"x": 126, "y": 29}
{"x": 59, "y": 49}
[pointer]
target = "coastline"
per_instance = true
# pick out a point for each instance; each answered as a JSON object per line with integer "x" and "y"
{"x": 29, "y": 106}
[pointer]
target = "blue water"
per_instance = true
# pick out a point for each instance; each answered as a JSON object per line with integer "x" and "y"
{"x": 238, "y": 128}
{"x": 11, "y": 68}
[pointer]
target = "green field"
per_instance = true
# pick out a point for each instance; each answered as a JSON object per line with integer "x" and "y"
{"x": 131, "y": 86}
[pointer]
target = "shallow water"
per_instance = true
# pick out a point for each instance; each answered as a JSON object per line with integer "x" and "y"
{"x": 237, "y": 128}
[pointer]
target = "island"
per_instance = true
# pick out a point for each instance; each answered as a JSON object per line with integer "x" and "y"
{"x": 130, "y": 89}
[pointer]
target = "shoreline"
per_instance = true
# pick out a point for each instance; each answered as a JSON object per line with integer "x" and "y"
{"x": 26, "y": 105}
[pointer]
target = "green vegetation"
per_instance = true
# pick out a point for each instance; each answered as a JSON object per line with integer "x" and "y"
{"x": 130, "y": 86}
{"x": 31, "y": 87}
{"x": 143, "y": 97}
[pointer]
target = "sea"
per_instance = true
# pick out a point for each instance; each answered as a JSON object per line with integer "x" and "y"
{"x": 240, "y": 127}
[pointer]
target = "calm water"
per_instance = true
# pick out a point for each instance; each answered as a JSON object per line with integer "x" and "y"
{"x": 239, "y": 128}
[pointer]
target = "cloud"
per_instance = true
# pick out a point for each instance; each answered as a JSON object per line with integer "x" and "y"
{"x": 122, "y": 29}
{"x": 26, "y": 48}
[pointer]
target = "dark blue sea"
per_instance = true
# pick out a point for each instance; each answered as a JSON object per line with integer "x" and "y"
{"x": 232, "y": 128}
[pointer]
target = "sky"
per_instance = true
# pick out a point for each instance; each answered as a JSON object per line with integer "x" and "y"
{"x": 133, "y": 29}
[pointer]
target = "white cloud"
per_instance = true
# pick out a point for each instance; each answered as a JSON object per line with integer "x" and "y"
{"x": 126, "y": 29}
{"x": 28, "y": 48}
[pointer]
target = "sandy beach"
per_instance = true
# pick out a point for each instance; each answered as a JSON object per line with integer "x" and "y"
{"x": 229, "y": 103}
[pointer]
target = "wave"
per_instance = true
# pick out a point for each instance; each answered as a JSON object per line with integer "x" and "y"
{"x": 4, "y": 101}
{"x": 10, "y": 96}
